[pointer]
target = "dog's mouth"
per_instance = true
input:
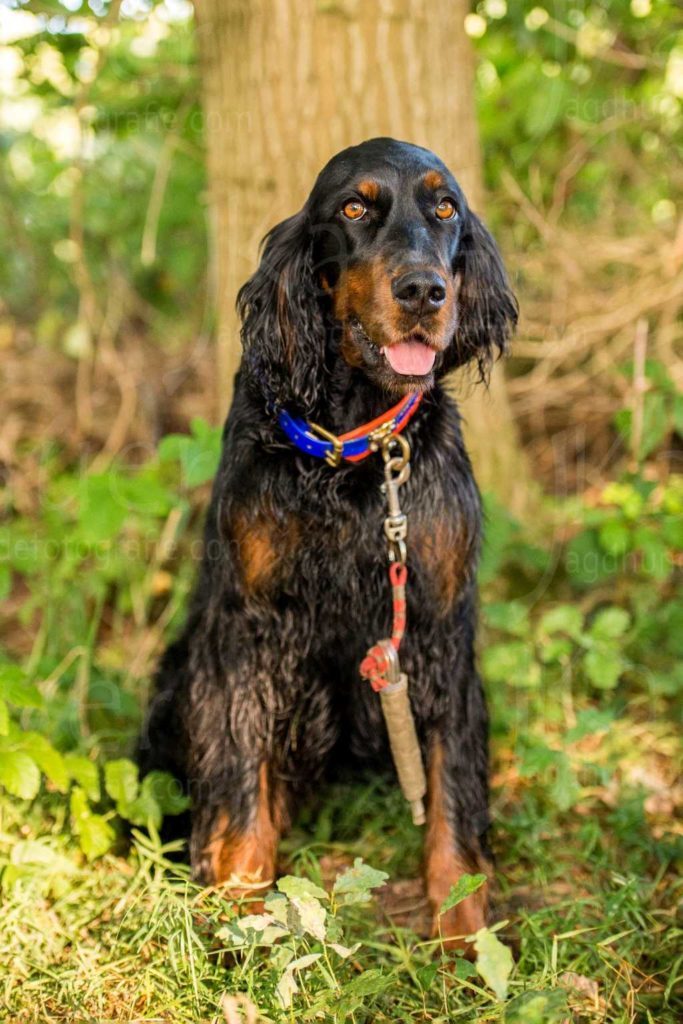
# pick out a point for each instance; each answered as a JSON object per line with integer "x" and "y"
{"x": 410, "y": 357}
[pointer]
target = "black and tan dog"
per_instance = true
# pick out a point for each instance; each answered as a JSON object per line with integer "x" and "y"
{"x": 379, "y": 286}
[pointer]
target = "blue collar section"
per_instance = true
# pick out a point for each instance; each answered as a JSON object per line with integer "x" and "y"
{"x": 312, "y": 440}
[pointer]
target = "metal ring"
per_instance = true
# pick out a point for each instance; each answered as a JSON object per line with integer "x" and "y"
{"x": 402, "y": 442}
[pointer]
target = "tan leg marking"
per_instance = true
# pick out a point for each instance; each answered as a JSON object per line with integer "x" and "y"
{"x": 444, "y": 866}
{"x": 245, "y": 863}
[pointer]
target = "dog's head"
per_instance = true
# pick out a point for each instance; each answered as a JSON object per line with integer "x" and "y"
{"x": 385, "y": 267}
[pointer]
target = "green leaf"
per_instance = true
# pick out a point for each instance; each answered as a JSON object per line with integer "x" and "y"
{"x": 355, "y": 884}
{"x": 4, "y": 718}
{"x": 287, "y": 987}
{"x": 94, "y": 832}
{"x": 565, "y": 790}
{"x": 102, "y": 509}
{"x": 292, "y": 886}
{"x": 655, "y": 561}
{"x": 610, "y": 623}
{"x": 556, "y": 648}
{"x": 494, "y": 961}
{"x": 615, "y": 537}
{"x": 512, "y": 663}
{"x": 49, "y": 760}
{"x": 464, "y": 887}
{"x": 144, "y": 810}
{"x": 96, "y": 836}
{"x": 564, "y": 618}
{"x": 603, "y": 666}
{"x": 426, "y": 975}
{"x": 344, "y": 951}
{"x": 19, "y": 774}
{"x": 121, "y": 782}
{"x": 254, "y": 929}
{"x": 85, "y": 773}
{"x": 16, "y": 689}
{"x": 509, "y": 616}
{"x": 167, "y": 792}
{"x": 307, "y": 914}
{"x": 198, "y": 453}
{"x": 544, "y": 1007}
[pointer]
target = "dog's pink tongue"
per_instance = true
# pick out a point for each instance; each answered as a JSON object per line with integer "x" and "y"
{"x": 410, "y": 357}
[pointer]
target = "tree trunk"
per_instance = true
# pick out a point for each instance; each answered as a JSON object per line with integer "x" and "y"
{"x": 285, "y": 86}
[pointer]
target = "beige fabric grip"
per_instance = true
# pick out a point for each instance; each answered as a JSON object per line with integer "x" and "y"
{"x": 405, "y": 748}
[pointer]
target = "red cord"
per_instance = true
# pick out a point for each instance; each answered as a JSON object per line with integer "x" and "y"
{"x": 375, "y": 664}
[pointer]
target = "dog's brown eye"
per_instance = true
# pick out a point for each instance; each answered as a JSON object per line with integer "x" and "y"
{"x": 446, "y": 209}
{"x": 353, "y": 210}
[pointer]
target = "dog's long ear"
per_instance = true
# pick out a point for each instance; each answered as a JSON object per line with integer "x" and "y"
{"x": 487, "y": 308}
{"x": 282, "y": 324}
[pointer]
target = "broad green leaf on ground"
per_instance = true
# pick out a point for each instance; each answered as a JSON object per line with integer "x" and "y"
{"x": 39, "y": 864}
{"x": 167, "y": 792}
{"x": 85, "y": 773}
{"x": 356, "y": 884}
{"x": 95, "y": 834}
{"x": 615, "y": 537}
{"x": 494, "y": 961}
{"x": 16, "y": 689}
{"x": 545, "y": 1007}
{"x": 49, "y": 760}
{"x": 254, "y": 929}
{"x": 307, "y": 915}
{"x": 344, "y": 951}
{"x": 464, "y": 887}
{"x": 292, "y": 886}
{"x": 19, "y": 774}
{"x": 287, "y": 986}
{"x": 564, "y": 618}
{"x": 121, "y": 782}
{"x": 603, "y": 666}
{"x": 610, "y": 623}
{"x": 144, "y": 809}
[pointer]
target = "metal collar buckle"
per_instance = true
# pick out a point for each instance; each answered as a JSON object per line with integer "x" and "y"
{"x": 333, "y": 457}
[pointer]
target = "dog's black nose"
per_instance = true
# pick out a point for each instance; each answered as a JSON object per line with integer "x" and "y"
{"x": 419, "y": 291}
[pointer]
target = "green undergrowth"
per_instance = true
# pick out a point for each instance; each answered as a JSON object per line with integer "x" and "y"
{"x": 581, "y": 644}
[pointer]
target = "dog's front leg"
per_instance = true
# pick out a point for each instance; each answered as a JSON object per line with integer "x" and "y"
{"x": 235, "y": 840}
{"x": 235, "y": 836}
{"x": 457, "y": 817}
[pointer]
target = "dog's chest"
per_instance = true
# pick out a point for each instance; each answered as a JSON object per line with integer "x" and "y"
{"x": 329, "y": 552}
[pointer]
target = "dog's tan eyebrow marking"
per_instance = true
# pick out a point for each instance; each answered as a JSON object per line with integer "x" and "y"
{"x": 369, "y": 189}
{"x": 433, "y": 180}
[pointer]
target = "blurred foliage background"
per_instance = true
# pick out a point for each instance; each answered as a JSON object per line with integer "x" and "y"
{"x": 109, "y": 437}
{"x": 103, "y": 207}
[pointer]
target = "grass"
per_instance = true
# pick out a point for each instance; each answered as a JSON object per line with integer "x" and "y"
{"x": 589, "y": 903}
{"x": 582, "y": 672}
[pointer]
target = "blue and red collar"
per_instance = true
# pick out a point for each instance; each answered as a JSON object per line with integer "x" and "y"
{"x": 356, "y": 444}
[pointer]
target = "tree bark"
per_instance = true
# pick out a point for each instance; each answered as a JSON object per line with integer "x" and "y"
{"x": 288, "y": 84}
